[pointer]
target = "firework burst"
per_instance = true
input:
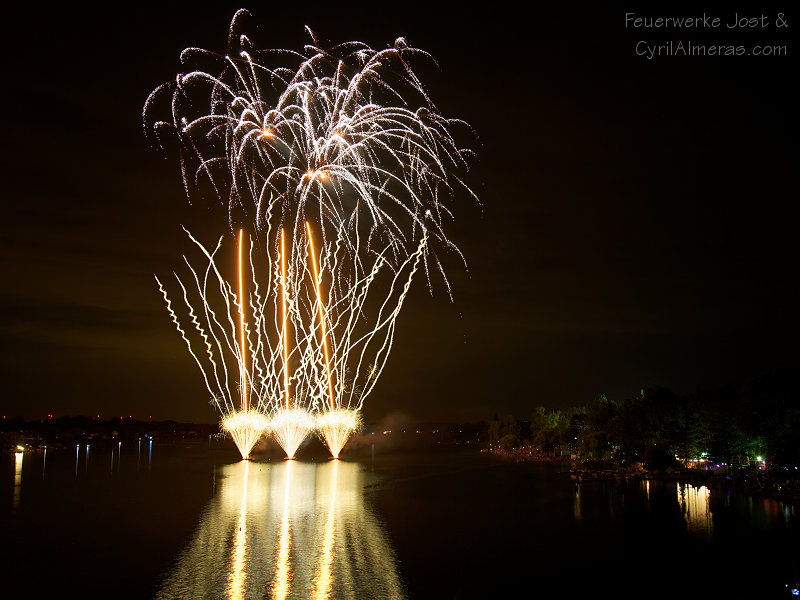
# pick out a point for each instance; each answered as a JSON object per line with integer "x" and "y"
{"x": 245, "y": 427}
{"x": 335, "y": 426}
{"x": 339, "y": 141}
{"x": 290, "y": 427}
{"x": 345, "y": 137}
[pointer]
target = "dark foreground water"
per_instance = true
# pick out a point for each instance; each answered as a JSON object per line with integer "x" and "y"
{"x": 188, "y": 521}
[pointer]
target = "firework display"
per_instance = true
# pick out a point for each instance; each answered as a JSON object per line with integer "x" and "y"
{"x": 303, "y": 361}
{"x": 336, "y": 172}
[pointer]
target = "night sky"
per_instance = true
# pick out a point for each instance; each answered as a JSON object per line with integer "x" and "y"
{"x": 636, "y": 227}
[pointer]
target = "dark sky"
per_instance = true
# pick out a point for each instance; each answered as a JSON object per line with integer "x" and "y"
{"x": 637, "y": 225}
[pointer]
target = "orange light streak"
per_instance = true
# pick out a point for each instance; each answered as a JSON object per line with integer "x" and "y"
{"x": 321, "y": 314}
{"x": 283, "y": 316}
{"x": 242, "y": 363}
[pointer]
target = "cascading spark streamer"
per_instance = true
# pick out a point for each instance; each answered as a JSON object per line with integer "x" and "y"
{"x": 341, "y": 140}
{"x": 311, "y": 366}
{"x": 343, "y": 136}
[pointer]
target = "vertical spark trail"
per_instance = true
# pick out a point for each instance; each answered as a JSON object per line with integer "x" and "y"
{"x": 338, "y": 347}
{"x": 283, "y": 318}
{"x": 242, "y": 347}
{"x": 321, "y": 314}
{"x": 331, "y": 433}
{"x": 291, "y": 425}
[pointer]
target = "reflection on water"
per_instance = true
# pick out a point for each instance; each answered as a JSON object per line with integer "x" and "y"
{"x": 287, "y": 530}
{"x": 323, "y": 579}
{"x": 694, "y": 501}
{"x": 460, "y": 527}
{"x": 280, "y": 587}
{"x": 695, "y": 506}
{"x": 17, "y": 477}
{"x": 236, "y": 576}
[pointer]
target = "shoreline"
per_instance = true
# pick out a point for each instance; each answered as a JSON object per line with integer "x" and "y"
{"x": 756, "y": 483}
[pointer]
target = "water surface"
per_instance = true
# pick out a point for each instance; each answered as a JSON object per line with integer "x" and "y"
{"x": 186, "y": 520}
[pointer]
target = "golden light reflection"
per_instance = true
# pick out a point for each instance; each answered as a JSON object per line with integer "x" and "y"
{"x": 287, "y": 530}
{"x": 18, "y": 456}
{"x": 283, "y": 568}
{"x": 237, "y": 575}
{"x": 694, "y": 502}
{"x": 323, "y": 578}
{"x": 217, "y": 562}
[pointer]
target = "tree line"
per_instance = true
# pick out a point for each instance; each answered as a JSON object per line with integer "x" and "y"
{"x": 755, "y": 422}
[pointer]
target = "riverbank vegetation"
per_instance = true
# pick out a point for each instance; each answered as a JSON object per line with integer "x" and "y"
{"x": 753, "y": 426}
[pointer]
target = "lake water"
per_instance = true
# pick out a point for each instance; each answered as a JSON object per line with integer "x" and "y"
{"x": 185, "y": 520}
